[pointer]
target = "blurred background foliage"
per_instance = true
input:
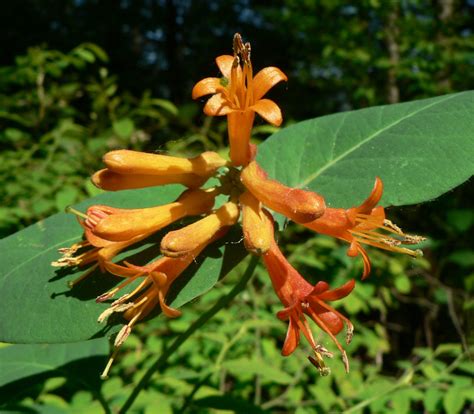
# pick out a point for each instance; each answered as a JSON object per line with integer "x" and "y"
{"x": 81, "y": 77}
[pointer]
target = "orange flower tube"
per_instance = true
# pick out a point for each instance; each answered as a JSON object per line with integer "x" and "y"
{"x": 183, "y": 241}
{"x": 125, "y": 224}
{"x": 134, "y": 162}
{"x": 257, "y": 225}
{"x": 300, "y": 206}
{"x": 112, "y": 181}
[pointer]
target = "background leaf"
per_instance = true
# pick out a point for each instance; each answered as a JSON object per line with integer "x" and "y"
{"x": 420, "y": 149}
{"x": 24, "y": 360}
{"x": 38, "y": 305}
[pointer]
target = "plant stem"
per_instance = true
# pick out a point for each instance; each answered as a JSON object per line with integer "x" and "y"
{"x": 161, "y": 361}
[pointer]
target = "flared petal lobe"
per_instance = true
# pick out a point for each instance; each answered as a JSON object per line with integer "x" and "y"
{"x": 224, "y": 63}
{"x": 206, "y": 86}
{"x": 300, "y": 206}
{"x": 266, "y": 79}
{"x": 269, "y": 111}
{"x": 217, "y": 105}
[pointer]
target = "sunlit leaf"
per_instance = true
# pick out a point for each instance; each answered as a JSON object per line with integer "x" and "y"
{"x": 419, "y": 149}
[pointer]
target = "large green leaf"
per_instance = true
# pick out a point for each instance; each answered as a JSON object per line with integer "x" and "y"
{"x": 37, "y": 305}
{"x": 420, "y": 149}
{"x": 81, "y": 361}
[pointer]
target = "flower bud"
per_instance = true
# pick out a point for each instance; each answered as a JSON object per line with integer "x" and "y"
{"x": 112, "y": 181}
{"x": 257, "y": 225}
{"x": 182, "y": 242}
{"x": 299, "y": 205}
{"x": 134, "y": 162}
{"x": 126, "y": 224}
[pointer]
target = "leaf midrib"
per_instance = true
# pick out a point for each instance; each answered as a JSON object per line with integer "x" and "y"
{"x": 317, "y": 173}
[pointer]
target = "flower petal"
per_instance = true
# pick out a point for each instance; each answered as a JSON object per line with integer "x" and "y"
{"x": 266, "y": 79}
{"x": 320, "y": 287}
{"x": 217, "y": 105}
{"x": 206, "y": 86}
{"x": 292, "y": 339}
{"x": 374, "y": 197}
{"x": 269, "y": 111}
{"x": 338, "y": 293}
{"x": 225, "y": 62}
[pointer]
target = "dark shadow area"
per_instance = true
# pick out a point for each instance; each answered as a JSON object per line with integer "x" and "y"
{"x": 83, "y": 373}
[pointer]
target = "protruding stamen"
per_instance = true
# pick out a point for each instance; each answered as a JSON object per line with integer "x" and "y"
{"x": 318, "y": 362}
{"x": 345, "y": 361}
{"x": 74, "y": 282}
{"x": 112, "y": 309}
{"x": 70, "y": 209}
{"x": 105, "y": 373}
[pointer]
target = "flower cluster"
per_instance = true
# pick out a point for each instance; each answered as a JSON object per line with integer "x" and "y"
{"x": 251, "y": 196}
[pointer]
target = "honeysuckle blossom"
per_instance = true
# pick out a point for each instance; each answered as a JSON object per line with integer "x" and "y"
{"x": 123, "y": 224}
{"x": 239, "y": 95}
{"x": 249, "y": 195}
{"x": 300, "y": 298}
{"x": 359, "y": 225}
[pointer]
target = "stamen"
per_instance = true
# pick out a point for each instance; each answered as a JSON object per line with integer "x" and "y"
{"x": 105, "y": 373}
{"x": 113, "y": 309}
{"x": 318, "y": 362}
{"x": 323, "y": 351}
{"x": 74, "y": 282}
{"x": 70, "y": 209}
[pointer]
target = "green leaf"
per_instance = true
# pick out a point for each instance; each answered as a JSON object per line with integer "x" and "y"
{"x": 453, "y": 400}
{"x": 417, "y": 148}
{"x": 37, "y": 305}
{"x": 124, "y": 127}
{"x": 81, "y": 360}
{"x": 250, "y": 367}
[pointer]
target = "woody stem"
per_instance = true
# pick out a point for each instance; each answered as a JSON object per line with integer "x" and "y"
{"x": 162, "y": 360}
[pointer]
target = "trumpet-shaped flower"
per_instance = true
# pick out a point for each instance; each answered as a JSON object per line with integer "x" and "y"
{"x": 135, "y": 162}
{"x": 123, "y": 224}
{"x": 112, "y": 181}
{"x": 299, "y": 205}
{"x": 300, "y": 298}
{"x": 359, "y": 225}
{"x": 156, "y": 279}
{"x": 239, "y": 96}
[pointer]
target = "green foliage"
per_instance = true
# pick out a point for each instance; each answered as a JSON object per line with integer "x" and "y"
{"x": 71, "y": 315}
{"x": 337, "y": 155}
{"x": 59, "y": 113}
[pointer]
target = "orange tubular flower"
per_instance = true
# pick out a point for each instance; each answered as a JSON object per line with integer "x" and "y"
{"x": 239, "y": 95}
{"x": 257, "y": 225}
{"x": 124, "y": 224}
{"x": 300, "y": 298}
{"x": 358, "y": 225}
{"x": 112, "y": 181}
{"x": 158, "y": 276}
{"x": 134, "y": 162}
{"x": 181, "y": 242}
{"x": 300, "y": 206}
